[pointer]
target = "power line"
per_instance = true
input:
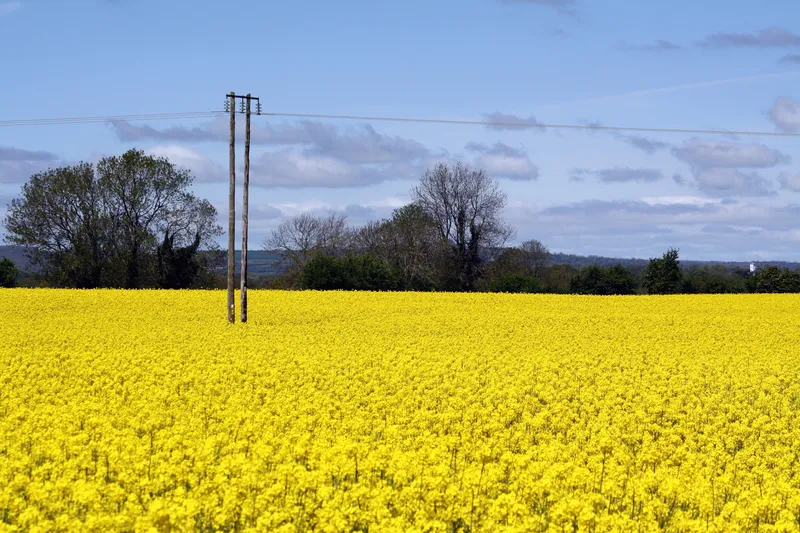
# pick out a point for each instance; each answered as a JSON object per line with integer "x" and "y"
{"x": 537, "y": 125}
{"x": 487, "y": 123}
{"x": 109, "y": 118}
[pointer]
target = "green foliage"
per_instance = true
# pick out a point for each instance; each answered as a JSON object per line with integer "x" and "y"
{"x": 515, "y": 283}
{"x": 663, "y": 276}
{"x": 713, "y": 279}
{"x": 179, "y": 268}
{"x": 411, "y": 244}
{"x": 511, "y": 261}
{"x": 353, "y": 272}
{"x": 604, "y": 281}
{"x": 366, "y": 273}
{"x": 8, "y": 274}
{"x": 774, "y": 279}
{"x": 558, "y": 278}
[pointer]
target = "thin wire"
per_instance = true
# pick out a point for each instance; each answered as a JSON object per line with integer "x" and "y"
{"x": 109, "y": 118}
{"x": 537, "y": 125}
{"x": 489, "y": 123}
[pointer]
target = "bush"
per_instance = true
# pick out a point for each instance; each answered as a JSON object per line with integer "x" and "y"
{"x": 774, "y": 279}
{"x": 350, "y": 273}
{"x": 8, "y": 274}
{"x": 558, "y": 278}
{"x": 604, "y": 281}
{"x": 515, "y": 283}
{"x": 712, "y": 280}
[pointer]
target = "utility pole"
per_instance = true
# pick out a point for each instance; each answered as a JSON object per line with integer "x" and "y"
{"x": 231, "y": 211}
{"x": 230, "y": 105}
{"x": 245, "y": 201}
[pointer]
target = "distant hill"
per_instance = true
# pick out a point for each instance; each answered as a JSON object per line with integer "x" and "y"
{"x": 260, "y": 262}
{"x": 578, "y": 261}
{"x": 16, "y": 254}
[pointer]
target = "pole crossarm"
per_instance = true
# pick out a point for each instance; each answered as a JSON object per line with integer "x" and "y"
{"x": 232, "y": 97}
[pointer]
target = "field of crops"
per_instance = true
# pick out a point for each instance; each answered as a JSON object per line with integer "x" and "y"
{"x": 147, "y": 411}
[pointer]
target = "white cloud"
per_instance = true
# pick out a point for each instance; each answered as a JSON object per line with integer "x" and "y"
{"x": 618, "y": 175}
{"x": 292, "y": 169}
{"x": 20, "y": 171}
{"x": 786, "y": 114}
{"x": 18, "y": 165}
{"x": 702, "y": 153}
{"x": 508, "y": 121}
{"x": 772, "y": 37}
{"x": 503, "y": 161}
{"x": 732, "y": 182}
{"x": 680, "y": 200}
{"x": 355, "y": 144}
{"x": 201, "y": 167}
{"x": 702, "y": 228}
{"x": 504, "y": 166}
{"x": 789, "y": 182}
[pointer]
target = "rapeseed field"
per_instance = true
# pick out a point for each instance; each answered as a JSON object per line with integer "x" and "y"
{"x": 147, "y": 411}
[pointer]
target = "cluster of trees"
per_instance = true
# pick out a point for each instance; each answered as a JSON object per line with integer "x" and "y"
{"x": 444, "y": 240}
{"x": 407, "y": 252}
{"x": 451, "y": 238}
{"x": 129, "y": 221}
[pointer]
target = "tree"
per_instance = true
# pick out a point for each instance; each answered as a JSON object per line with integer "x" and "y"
{"x": 149, "y": 196}
{"x": 178, "y": 267}
{"x": 558, "y": 278}
{"x": 536, "y": 257}
{"x": 663, "y": 276}
{"x": 62, "y": 220}
{"x": 466, "y": 206}
{"x": 308, "y": 235}
{"x": 99, "y": 226}
{"x": 410, "y": 244}
{"x": 8, "y": 274}
{"x": 604, "y": 281}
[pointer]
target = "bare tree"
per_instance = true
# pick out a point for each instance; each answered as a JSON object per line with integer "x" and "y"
{"x": 410, "y": 243}
{"x": 466, "y": 206}
{"x": 306, "y": 235}
{"x": 536, "y": 256}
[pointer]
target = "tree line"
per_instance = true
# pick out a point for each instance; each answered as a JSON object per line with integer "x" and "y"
{"x": 131, "y": 221}
{"x": 451, "y": 237}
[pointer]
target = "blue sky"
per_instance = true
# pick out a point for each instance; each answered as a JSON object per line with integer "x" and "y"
{"x": 731, "y": 64}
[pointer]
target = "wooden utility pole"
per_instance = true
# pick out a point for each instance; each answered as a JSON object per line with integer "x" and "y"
{"x": 231, "y": 212}
{"x": 245, "y": 200}
{"x": 230, "y": 105}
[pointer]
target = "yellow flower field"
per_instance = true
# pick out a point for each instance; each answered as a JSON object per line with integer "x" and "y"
{"x": 147, "y": 411}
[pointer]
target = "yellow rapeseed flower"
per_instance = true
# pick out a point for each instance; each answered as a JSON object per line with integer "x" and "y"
{"x": 147, "y": 411}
